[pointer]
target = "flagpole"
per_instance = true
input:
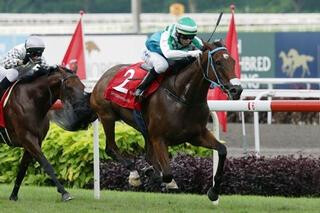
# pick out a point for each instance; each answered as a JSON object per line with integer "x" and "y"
{"x": 83, "y": 43}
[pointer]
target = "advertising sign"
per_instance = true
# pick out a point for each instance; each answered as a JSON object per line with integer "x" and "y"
{"x": 297, "y": 55}
{"x": 102, "y": 51}
{"x": 256, "y": 53}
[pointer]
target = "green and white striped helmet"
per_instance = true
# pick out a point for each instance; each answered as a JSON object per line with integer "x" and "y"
{"x": 186, "y": 26}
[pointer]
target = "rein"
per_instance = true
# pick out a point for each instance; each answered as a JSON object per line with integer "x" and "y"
{"x": 180, "y": 100}
{"x": 211, "y": 63}
{"x": 61, "y": 87}
{"x": 205, "y": 74}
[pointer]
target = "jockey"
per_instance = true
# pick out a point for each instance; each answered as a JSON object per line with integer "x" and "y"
{"x": 21, "y": 60}
{"x": 176, "y": 42}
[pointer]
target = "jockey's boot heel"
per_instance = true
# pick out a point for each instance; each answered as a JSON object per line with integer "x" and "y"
{"x": 148, "y": 79}
{"x": 4, "y": 84}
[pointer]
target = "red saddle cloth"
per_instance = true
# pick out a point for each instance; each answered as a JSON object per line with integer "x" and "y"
{"x": 3, "y": 101}
{"x": 121, "y": 88}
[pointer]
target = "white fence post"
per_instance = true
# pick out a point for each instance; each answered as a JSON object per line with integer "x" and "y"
{"x": 96, "y": 162}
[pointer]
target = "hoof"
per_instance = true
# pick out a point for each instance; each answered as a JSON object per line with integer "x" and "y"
{"x": 212, "y": 195}
{"x": 148, "y": 171}
{"x": 215, "y": 203}
{"x": 13, "y": 197}
{"x": 66, "y": 197}
{"x": 172, "y": 186}
{"x": 134, "y": 179}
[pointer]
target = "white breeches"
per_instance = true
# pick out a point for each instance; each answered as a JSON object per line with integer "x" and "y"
{"x": 11, "y": 74}
{"x": 155, "y": 60}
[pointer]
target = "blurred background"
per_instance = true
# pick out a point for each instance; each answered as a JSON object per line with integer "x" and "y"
{"x": 157, "y": 6}
{"x": 115, "y": 31}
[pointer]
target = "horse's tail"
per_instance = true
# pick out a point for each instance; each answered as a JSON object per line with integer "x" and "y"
{"x": 74, "y": 117}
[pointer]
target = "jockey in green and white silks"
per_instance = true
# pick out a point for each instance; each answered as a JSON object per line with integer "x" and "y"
{"x": 176, "y": 42}
{"x": 21, "y": 60}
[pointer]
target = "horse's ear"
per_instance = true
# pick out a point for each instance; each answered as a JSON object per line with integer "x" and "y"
{"x": 218, "y": 42}
{"x": 223, "y": 43}
{"x": 53, "y": 68}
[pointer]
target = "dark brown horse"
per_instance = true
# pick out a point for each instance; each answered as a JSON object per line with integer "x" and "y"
{"x": 26, "y": 117}
{"x": 176, "y": 113}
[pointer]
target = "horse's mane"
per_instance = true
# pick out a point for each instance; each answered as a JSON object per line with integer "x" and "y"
{"x": 41, "y": 72}
{"x": 36, "y": 74}
{"x": 210, "y": 46}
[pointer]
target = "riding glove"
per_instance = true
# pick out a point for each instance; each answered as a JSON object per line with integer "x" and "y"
{"x": 195, "y": 53}
{"x": 26, "y": 59}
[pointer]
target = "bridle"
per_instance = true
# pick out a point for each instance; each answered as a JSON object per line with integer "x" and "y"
{"x": 62, "y": 86}
{"x": 211, "y": 64}
{"x": 205, "y": 73}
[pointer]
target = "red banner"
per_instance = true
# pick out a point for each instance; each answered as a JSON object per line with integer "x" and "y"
{"x": 232, "y": 42}
{"x": 232, "y": 46}
{"x": 74, "y": 58}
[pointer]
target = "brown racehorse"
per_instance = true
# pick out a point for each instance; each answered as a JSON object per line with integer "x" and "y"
{"x": 176, "y": 113}
{"x": 26, "y": 117}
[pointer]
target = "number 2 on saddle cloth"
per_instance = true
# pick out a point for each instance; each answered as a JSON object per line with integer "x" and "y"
{"x": 121, "y": 88}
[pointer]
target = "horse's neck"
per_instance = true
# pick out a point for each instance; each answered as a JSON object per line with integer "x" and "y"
{"x": 189, "y": 84}
{"x": 50, "y": 89}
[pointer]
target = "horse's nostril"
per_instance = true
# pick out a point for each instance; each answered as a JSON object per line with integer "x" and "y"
{"x": 233, "y": 91}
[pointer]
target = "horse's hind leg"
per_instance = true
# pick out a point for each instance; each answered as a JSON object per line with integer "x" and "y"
{"x": 111, "y": 148}
{"x": 113, "y": 151}
{"x": 25, "y": 161}
{"x": 206, "y": 139}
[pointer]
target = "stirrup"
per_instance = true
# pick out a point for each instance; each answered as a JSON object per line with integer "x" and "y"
{"x": 138, "y": 93}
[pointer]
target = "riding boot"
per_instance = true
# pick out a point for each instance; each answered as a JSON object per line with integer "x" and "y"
{"x": 148, "y": 79}
{"x": 4, "y": 84}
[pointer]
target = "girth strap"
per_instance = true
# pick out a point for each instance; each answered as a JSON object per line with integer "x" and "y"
{"x": 4, "y": 137}
{"x": 138, "y": 118}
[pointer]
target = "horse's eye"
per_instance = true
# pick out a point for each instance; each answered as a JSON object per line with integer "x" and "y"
{"x": 218, "y": 63}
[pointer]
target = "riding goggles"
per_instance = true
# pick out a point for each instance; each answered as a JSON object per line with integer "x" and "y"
{"x": 35, "y": 52}
{"x": 185, "y": 37}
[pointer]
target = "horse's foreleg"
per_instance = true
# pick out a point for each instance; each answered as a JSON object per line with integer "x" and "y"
{"x": 161, "y": 159}
{"x": 25, "y": 161}
{"x": 35, "y": 150}
{"x": 209, "y": 141}
{"x": 50, "y": 171}
{"x": 153, "y": 170}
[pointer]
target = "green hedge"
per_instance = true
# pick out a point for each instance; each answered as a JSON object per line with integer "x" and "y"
{"x": 71, "y": 155}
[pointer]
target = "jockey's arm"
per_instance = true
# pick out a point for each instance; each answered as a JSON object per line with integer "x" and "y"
{"x": 197, "y": 42}
{"x": 13, "y": 59}
{"x": 167, "y": 49}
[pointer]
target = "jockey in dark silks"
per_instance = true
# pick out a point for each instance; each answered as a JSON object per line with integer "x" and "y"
{"x": 21, "y": 60}
{"x": 177, "y": 41}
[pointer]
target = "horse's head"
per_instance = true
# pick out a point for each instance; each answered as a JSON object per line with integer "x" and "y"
{"x": 220, "y": 70}
{"x": 71, "y": 87}
{"x": 76, "y": 110}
